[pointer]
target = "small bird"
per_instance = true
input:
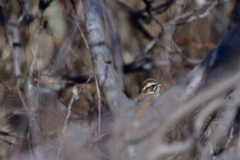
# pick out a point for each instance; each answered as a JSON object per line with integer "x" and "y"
{"x": 150, "y": 89}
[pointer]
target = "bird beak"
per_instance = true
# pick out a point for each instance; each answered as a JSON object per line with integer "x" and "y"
{"x": 159, "y": 84}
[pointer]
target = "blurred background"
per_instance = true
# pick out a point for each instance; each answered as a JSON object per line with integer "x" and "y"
{"x": 164, "y": 45}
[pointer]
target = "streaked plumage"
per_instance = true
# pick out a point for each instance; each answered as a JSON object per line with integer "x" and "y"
{"x": 150, "y": 89}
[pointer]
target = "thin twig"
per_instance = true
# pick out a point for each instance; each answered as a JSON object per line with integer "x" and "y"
{"x": 74, "y": 97}
{"x": 145, "y": 54}
{"x": 204, "y": 9}
{"x": 99, "y": 107}
{"x": 84, "y": 38}
{"x": 9, "y": 88}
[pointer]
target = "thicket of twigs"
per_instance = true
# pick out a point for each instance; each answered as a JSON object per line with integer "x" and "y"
{"x": 69, "y": 71}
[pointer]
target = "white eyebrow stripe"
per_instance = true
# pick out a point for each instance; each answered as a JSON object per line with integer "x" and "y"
{"x": 149, "y": 84}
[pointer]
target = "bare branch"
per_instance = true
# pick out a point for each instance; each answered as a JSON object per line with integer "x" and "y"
{"x": 108, "y": 80}
{"x": 118, "y": 61}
